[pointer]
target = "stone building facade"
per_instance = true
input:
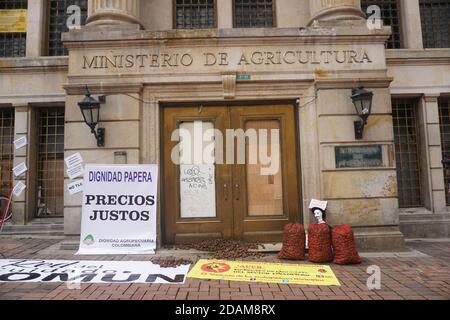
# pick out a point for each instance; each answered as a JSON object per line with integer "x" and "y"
{"x": 286, "y": 64}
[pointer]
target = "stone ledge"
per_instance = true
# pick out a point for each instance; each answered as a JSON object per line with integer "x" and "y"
{"x": 99, "y": 33}
{"x": 417, "y": 56}
{"x": 8, "y": 65}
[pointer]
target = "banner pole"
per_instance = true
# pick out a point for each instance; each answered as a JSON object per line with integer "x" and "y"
{"x": 6, "y": 210}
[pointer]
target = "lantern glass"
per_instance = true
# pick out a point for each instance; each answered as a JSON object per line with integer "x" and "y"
{"x": 362, "y": 99}
{"x": 90, "y": 108}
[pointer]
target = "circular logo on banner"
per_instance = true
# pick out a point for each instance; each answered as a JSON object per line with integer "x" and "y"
{"x": 89, "y": 240}
{"x": 215, "y": 267}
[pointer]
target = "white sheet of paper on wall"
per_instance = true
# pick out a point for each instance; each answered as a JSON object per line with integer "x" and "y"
{"x": 197, "y": 191}
{"x": 75, "y": 187}
{"x": 73, "y": 160}
{"x": 19, "y": 188}
{"x": 20, "y": 143}
{"x": 20, "y": 169}
{"x": 318, "y": 204}
{"x": 75, "y": 172}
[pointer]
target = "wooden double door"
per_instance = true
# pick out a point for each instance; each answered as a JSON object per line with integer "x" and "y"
{"x": 229, "y": 172}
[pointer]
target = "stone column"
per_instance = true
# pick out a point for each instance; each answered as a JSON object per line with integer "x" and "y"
{"x": 332, "y": 10}
{"x": 110, "y": 12}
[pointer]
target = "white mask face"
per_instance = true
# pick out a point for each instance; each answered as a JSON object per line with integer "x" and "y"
{"x": 319, "y": 216}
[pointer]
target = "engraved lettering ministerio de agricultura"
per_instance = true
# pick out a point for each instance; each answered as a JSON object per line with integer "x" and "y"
{"x": 209, "y": 59}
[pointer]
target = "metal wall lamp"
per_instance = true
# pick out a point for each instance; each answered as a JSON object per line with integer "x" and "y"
{"x": 362, "y": 99}
{"x": 90, "y": 109}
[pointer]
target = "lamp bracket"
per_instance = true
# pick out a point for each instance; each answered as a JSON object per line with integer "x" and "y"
{"x": 359, "y": 129}
{"x": 102, "y": 99}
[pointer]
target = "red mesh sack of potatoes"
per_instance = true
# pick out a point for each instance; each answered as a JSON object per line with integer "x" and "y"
{"x": 319, "y": 243}
{"x": 344, "y": 245}
{"x": 293, "y": 242}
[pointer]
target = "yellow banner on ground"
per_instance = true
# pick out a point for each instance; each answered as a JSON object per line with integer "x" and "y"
{"x": 255, "y": 271}
{"x": 12, "y": 21}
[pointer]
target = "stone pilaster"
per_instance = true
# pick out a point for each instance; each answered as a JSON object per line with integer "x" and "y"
{"x": 112, "y": 12}
{"x": 411, "y": 24}
{"x": 334, "y": 10}
{"x": 434, "y": 154}
{"x": 225, "y": 16}
{"x": 21, "y": 129}
{"x": 35, "y": 28}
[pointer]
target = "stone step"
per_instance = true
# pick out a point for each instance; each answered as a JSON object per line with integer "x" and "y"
{"x": 33, "y": 229}
{"x": 407, "y": 217}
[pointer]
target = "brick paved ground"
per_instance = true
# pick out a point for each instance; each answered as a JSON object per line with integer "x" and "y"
{"x": 423, "y": 275}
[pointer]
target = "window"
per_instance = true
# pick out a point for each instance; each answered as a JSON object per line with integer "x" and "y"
{"x": 444, "y": 117}
{"x": 50, "y": 197}
{"x": 195, "y": 14}
{"x": 407, "y": 146}
{"x": 253, "y": 13}
{"x": 390, "y": 13}
{"x": 13, "y": 44}
{"x": 6, "y": 149}
{"x": 58, "y": 23}
{"x": 435, "y": 16}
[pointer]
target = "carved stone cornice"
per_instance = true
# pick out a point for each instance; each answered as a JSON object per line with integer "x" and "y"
{"x": 103, "y": 88}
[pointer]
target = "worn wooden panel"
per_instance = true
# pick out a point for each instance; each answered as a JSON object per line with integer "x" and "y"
{"x": 264, "y": 192}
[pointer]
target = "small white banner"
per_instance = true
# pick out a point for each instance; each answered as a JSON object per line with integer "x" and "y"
{"x": 20, "y": 169}
{"x": 318, "y": 204}
{"x": 19, "y": 188}
{"x": 73, "y": 160}
{"x": 119, "y": 209}
{"x": 75, "y": 172}
{"x": 20, "y": 143}
{"x": 77, "y": 271}
{"x": 75, "y": 187}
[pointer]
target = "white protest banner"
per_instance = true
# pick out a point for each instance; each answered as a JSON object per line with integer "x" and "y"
{"x": 75, "y": 171}
{"x": 318, "y": 204}
{"x": 75, "y": 187}
{"x": 20, "y": 143}
{"x": 19, "y": 188}
{"x": 119, "y": 209}
{"x": 20, "y": 169}
{"x": 73, "y": 160}
{"x": 76, "y": 271}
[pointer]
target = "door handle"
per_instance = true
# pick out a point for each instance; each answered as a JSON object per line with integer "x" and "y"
{"x": 238, "y": 191}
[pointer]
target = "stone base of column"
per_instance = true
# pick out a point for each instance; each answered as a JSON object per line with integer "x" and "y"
{"x": 343, "y": 13}
{"x": 111, "y": 18}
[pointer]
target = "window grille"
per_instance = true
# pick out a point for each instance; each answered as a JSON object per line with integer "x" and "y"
{"x": 444, "y": 117}
{"x": 6, "y": 149}
{"x": 195, "y": 14}
{"x": 13, "y": 44}
{"x": 390, "y": 13}
{"x": 407, "y": 146}
{"x": 253, "y": 13}
{"x": 435, "y": 17}
{"x": 50, "y": 176}
{"x": 58, "y": 23}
